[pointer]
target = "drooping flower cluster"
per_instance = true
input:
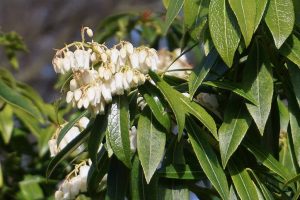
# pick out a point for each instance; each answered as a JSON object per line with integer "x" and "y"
{"x": 99, "y": 72}
{"x": 71, "y": 187}
{"x": 70, "y": 135}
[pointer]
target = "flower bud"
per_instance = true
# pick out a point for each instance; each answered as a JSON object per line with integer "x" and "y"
{"x": 73, "y": 85}
{"x": 77, "y": 94}
{"x": 69, "y": 96}
{"x": 89, "y": 32}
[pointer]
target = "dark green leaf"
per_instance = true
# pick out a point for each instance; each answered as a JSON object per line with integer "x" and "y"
{"x": 297, "y": 12}
{"x": 118, "y": 129}
{"x": 174, "y": 8}
{"x": 245, "y": 12}
{"x": 151, "y": 142}
{"x": 207, "y": 159}
{"x": 283, "y": 116}
{"x": 291, "y": 49}
{"x": 280, "y": 18}
{"x": 184, "y": 172}
{"x": 223, "y": 30}
{"x": 232, "y": 131}
{"x": 6, "y": 123}
{"x": 294, "y": 72}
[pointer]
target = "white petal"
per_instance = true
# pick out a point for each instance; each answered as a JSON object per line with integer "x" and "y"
{"x": 91, "y": 93}
{"x": 89, "y": 32}
{"x": 79, "y": 57}
{"x": 113, "y": 88}
{"x": 129, "y": 76}
{"x": 69, "y": 96}
{"x": 126, "y": 85}
{"x": 85, "y": 102}
{"x": 52, "y": 147}
{"x": 129, "y": 48}
{"x": 59, "y": 195}
{"x": 104, "y": 57}
{"x": 72, "y": 133}
{"x": 66, "y": 64}
{"x": 80, "y": 104}
{"x": 101, "y": 72}
{"x": 73, "y": 85}
{"x": 87, "y": 56}
{"x": 62, "y": 144}
{"x": 123, "y": 53}
{"x": 93, "y": 57}
{"x": 83, "y": 122}
{"x": 106, "y": 93}
{"x": 77, "y": 94}
{"x": 83, "y": 171}
{"x": 134, "y": 60}
{"x": 114, "y": 55}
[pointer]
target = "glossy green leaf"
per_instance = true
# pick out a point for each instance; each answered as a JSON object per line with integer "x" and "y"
{"x": 223, "y": 30}
{"x": 245, "y": 12}
{"x": 6, "y": 123}
{"x": 259, "y": 84}
{"x": 198, "y": 75}
{"x": 234, "y": 87}
{"x": 286, "y": 157}
{"x": 267, "y": 159}
{"x": 173, "y": 191}
{"x": 242, "y": 181}
{"x": 117, "y": 180}
{"x": 65, "y": 152}
{"x": 260, "y": 10}
{"x": 291, "y": 49}
{"x": 280, "y": 19}
{"x": 69, "y": 125}
{"x": 97, "y": 134}
{"x": 15, "y": 99}
{"x": 151, "y": 142}
{"x": 283, "y": 116}
{"x": 118, "y": 129}
{"x": 295, "y": 132}
{"x": 265, "y": 191}
{"x": 233, "y": 129}
{"x": 172, "y": 96}
{"x": 207, "y": 159}
{"x": 232, "y": 193}
{"x": 184, "y": 172}
{"x": 154, "y": 101}
{"x": 174, "y": 8}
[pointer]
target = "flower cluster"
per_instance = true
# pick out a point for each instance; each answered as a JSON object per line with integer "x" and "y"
{"x": 99, "y": 72}
{"x": 70, "y": 135}
{"x": 71, "y": 187}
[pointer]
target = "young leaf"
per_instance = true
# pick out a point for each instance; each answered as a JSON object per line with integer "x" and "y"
{"x": 232, "y": 131}
{"x": 245, "y": 12}
{"x": 207, "y": 159}
{"x": 280, "y": 18}
{"x": 259, "y": 83}
{"x": 242, "y": 181}
{"x": 174, "y": 7}
{"x": 151, "y": 142}
{"x": 118, "y": 129}
{"x": 260, "y": 10}
{"x": 223, "y": 30}
{"x": 291, "y": 49}
{"x": 13, "y": 98}
{"x": 6, "y": 123}
{"x": 199, "y": 73}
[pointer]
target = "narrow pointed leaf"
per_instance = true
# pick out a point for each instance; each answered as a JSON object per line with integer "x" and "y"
{"x": 198, "y": 75}
{"x": 151, "y": 142}
{"x": 6, "y": 123}
{"x": 207, "y": 159}
{"x": 259, "y": 83}
{"x": 184, "y": 172}
{"x": 294, "y": 72}
{"x": 223, "y": 30}
{"x": 295, "y": 132}
{"x": 280, "y": 18}
{"x": 194, "y": 10}
{"x": 291, "y": 49}
{"x": 232, "y": 131}
{"x": 118, "y": 129}
{"x": 245, "y": 12}
{"x": 260, "y": 10}
{"x": 174, "y": 7}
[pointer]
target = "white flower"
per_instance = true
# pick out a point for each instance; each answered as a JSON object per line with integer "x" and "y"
{"x": 73, "y": 85}
{"x": 83, "y": 122}
{"x": 129, "y": 48}
{"x": 69, "y": 96}
{"x": 77, "y": 94}
{"x": 59, "y": 195}
{"x": 114, "y": 55}
{"x": 132, "y": 136}
{"x": 106, "y": 93}
{"x": 52, "y": 147}
{"x": 134, "y": 60}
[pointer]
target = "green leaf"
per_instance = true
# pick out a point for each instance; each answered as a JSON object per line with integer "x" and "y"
{"x": 198, "y": 75}
{"x": 242, "y": 181}
{"x": 183, "y": 172}
{"x": 267, "y": 159}
{"x": 286, "y": 157}
{"x": 97, "y": 134}
{"x": 280, "y": 18}
{"x": 232, "y": 86}
{"x": 117, "y": 180}
{"x": 172, "y": 96}
{"x": 1, "y": 177}
{"x": 154, "y": 101}
{"x": 291, "y": 49}
{"x": 151, "y": 142}
{"x": 283, "y": 116}
{"x": 30, "y": 188}
{"x": 29, "y": 122}
{"x": 13, "y": 98}
{"x": 297, "y": 12}
{"x": 233, "y": 129}
{"x": 118, "y": 129}
{"x": 71, "y": 146}
{"x": 6, "y": 123}
{"x": 173, "y": 191}
{"x": 260, "y": 10}
{"x": 292, "y": 180}
{"x": 297, "y": 194}
{"x": 245, "y": 12}
{"x": 295, "y": 131}
{"x": 174, "y": 8}
{"x": 69, "y": 125}
{"x": 166, "y": 3}
{"x": 207, "y": 159}
{"x": 259, "y": 83}
{"x": 294, "y": 72}
{"x": 223, "y": 30}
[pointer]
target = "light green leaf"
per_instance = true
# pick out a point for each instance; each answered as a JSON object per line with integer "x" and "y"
{"x": 174, "y": 8}
{"x": 6, "y": 123}
{"x": 13, "y": 98}
{"x": 232, "y": 131}
{"x": 28, "y": 121}
{"x": 297, "y": 194}
{"x": 173, "y": 191}
{"x": 1, "y": 177}
{"x": 30, "y": 188}
{"x": 245, "y": 12}
{"x": 291, "y": 49}
{"x": 259, "y": 83}
{"x": 242, "y": 182}
{"x": 172, "y": 96}
{"x": 207, "y": 159}
{"x": 118, "y": 129}
{"x": 260, "y": 10}
{"x": 166, "y": 3}
{"x": 283, "y": 116}
{"x": 280, "y": 18}
{"x": 198, "y": 75}
{"x": 184, "y": 172}
{"x": 223, "y": 30}
{"x": 151, "y": 142}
